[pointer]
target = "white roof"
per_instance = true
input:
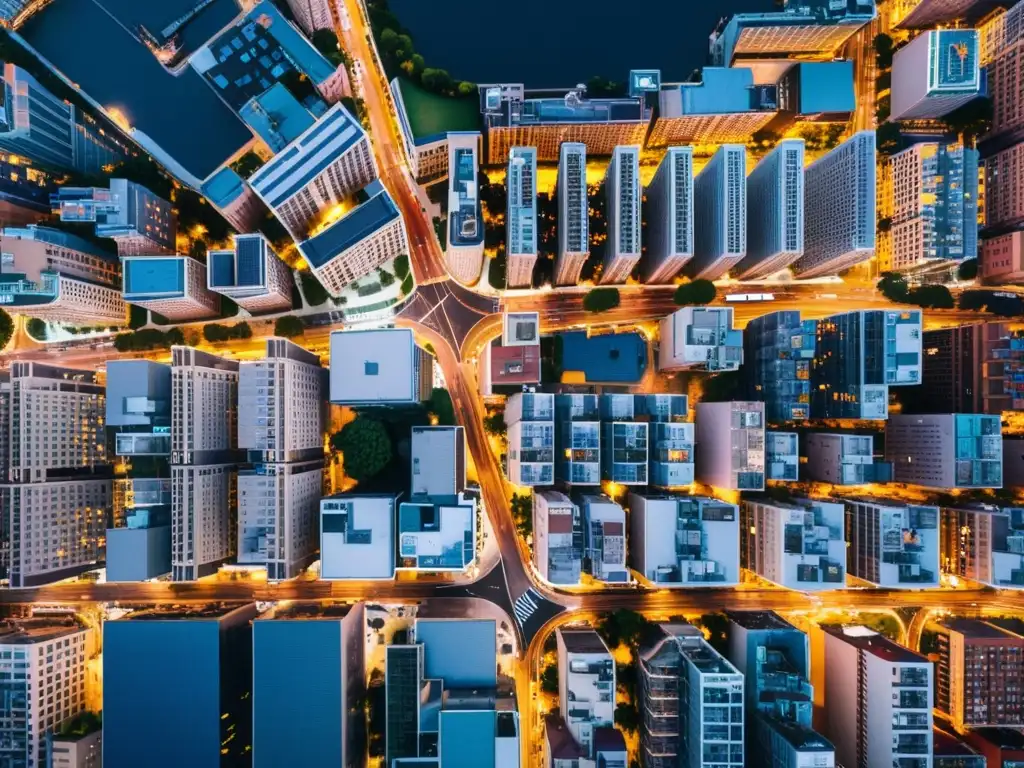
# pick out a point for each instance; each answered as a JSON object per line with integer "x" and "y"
{"x": 373, "y": 366}
{"x": 372, "y": 556}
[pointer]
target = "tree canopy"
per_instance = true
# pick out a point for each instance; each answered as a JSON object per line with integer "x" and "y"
{"x": 365, "y": 446}
{"x": 601, "y": 299}
{"x": 289, "y": 327}
{"x": 6, "y": 328}
{"x": 695, "y": 293}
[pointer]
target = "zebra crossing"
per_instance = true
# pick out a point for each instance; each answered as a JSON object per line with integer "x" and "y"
{"x": 525, "y": 605}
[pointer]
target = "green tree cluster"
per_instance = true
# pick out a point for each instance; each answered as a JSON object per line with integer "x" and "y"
{"x": 148, "y": 338}
{"x": 401, "y": 266}
{"x": 137, "y": 316}
{"x": 968, "y": 270}
{"x": 894, "y": 287}
{"x": 440, "y": 405}
{"x": 36, "y": 328}
{"x": 695, "y": 293}
{"x": 215, "y": 333}
{"x": 522, "y": 513}
{"x": 601, "y": 299}
{"x": 365, "y": 447}
{"x": 386, "y": 278}
{"x": 325, "y": 41}
{"x": 549, "y": 679}
{"x": 625, "y": 627}
{"x": 289, "y": 327}
{"x": 312, "y": 289}
{"x": 6, "y": 328}
{"x": 993, "y": 302}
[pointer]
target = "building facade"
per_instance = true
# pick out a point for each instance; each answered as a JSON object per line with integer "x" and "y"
{"x": 625, "y": 441}
{"x": 778, "y": 349}
{"x": 844, "y": 459}
{"x": 700, "y": 338}
{"x": 577, "y": 439}
{"x": 984, "y": 543}
{"x": 173, "y": 286}
{"x": 464, "y": 253}
{"x": 557, "y": 537}
{"x": 670, "y": 216}
{"x": 891, "y": 544}
{"x": 622, "y": 190}
{"x": 521, "y": 216}
{"x": 530, "y": 419}
{"x": 140, "y": 222}
{"x": 720, "y": 213}
{"x": 731, "y": 445}
{"x": 1000, "y": 260}
{"x": 949, "y": 450}
{"x": 1004, "y": 190}
{"x": 573, "y": 213}
{"x": 586, "y": 684}
{"x": 968, "y": 369}
{"x": 604, "y": 538}
{"x": 935, "y": 73}
{"x": 799, "y": 545}
{"x": 311, "y": 15}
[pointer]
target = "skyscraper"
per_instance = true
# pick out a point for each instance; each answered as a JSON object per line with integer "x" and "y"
{"x": 670, "y": 217}
{"x": 573, "y": 213}
{"x": 141, "y": 223}
{"x": 777, "y": 352}
{"x": 251, "y": 274}
{"x": 521, "y": 216}
{"x": 464, "y": 255}
{"x": 891, "y": 544}
{"x": 720, "y": 210}
{"x": 622, "y": 195}
{"x": 799, "y": 545}
{"x": 775, "y": 211}
{"x": 935, "y": 73}
{"x": 730, "y": 445}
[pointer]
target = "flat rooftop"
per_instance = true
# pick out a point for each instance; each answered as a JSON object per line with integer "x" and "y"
{"x": 311, "y": 610}
{"x": 435, "y": 453}
{"x": 36, "y": 630}
{"x": 432, "y": 116}
{"x": 801, "y": 737}
{"x": 759, "y": 620}
{"x": 560, "y": 106}
{"x": 826, "y": 87}
{"x": 466, "y": 223}
{"x": 515, "y": 365}
{"x": 875, "y": 644}
{"x": 614, "y": 358}
{"x": 245, "y": 266}
{"x": 373, "y": 366}
{"x": 276, "y": 116}
{"x": 210, "y": 611}
{"x": 721, "y": 91}
{"x": 51, "y": 236}
{"x": 436, "y": 533}
{"x": 357, "y": 537}
{"x": 354, "y": 227}
{"x": 582, "y": 641}
{"x": 980, "y": 630}
{"x": 224, "y": 187}
{"x": 149, "y": 277}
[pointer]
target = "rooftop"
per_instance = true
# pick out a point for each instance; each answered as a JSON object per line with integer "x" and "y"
{"x": 462, "y": 652}
{"x": 36, "y": 630}
{"x": 436, "y": 533}
{"x": 276, "y": 116}
{"x": 801, "y": 737}
{"x": 224, "y": 187}
{"x": 582, "y": 641}
{"x": 759, "y": 620}
{"x": 515, "y": 365}
{"x": 352, "y": 228}
{"x": 245, "y": 266}
{"x": 311, "y": 610}
{"x": 210, "y": 611}
{"x": 561, "y": 744}
{"x": 825, "y": 87}
{"x": 979, "y": 630}
{"x": 373, "y": 366}
{"x": 432, "y": 116}
{"x": 555, "y": 107}
{"x": 721, "y": 90}
{"x": 608, "y": 739}
{"x": 357, "y": 537}
{"x": 619, "y": 358}
{"x": 875, "y": 644}
{"x": 466, "y": 226}
{"x": 51, "y": 236}
{"x": 151, "y": 277}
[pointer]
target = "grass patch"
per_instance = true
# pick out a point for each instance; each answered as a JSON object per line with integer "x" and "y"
{"x": 430, "y": 113}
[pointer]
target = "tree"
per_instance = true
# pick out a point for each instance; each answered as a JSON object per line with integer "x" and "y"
{"x": 549, "y": 679}
{"x": 494, "y": 424}
{"x": 522, "y": 513}
{"x": 717, "y": 627}
{"x": 893, "y": 286}
{"x": 6, "y": 328}
{"x": 36, "y": 329}
{"x": 365, "y": 447}
{"x": 407, "y": 285}
{"x": 627, "y": 716}
{"x": 884, "y": 50}
{"x": 968, "y": 270}
{"x": 466, "y": 88}
{"x": 695, "y": 293}
{"x": 401, "y": 266}
{"x": 440, "y": 405}
{"x": 601, "y": 299}
{"x": 436, "y": 80}
{"x": 883, "y": 108}
{"x": 386, "y": 278}
{"x": 888, "y": 139}
{"x": 931, "y": 297}
{"x": 312, "y": 289}
{"x": 289, "y": 327}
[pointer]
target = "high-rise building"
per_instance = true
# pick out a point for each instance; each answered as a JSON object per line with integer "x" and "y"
{"x": 878, "y": 699}
{"x": 775, "y": 211}
{"x": 839, "y": 208}
{"x": 78, "y": 745}
{"x": 573, "y": 213}
{"x": 858, "y": 356}
{"x": 521, "y": 216}
{"x": 891, "y": 544}
{"x": 684, "y": 541}
{"x": 622, "y": 191}
{"x": 586, "y": 684}
{"x": 577, "y": 439}
{"x": 624, "y": 454}
{"x": 782, "y": 455}
{"x": 934, "y": 205}
{"x": 730, "y": 445}
{"x": 935, "y": 73}
{"x": 230, "y": 194}
{"x": 947, "y": 450}
{"x": 1000, "y": 43}
{"x": 197, "y": 664}
{"x": 379, "y": 366}
{"x": 701, "y": 339}
{"x": 929, "y": 13}
{"x": 251, "y": 274}
{"x": 604, "y": 538}
{"x": 777, "y": 351}
{"x": 1004, "y": 204}
{"x": 670, "y": 437}
{"x": 720, "y": 211}
{"x": 670, "y": 217}
{"x": 173, "y": 286}
{"x": 328, "y": 162}
{"x": 141, "y": 223}
{"x": 557, "y": 537}
{"x": 58, "y": 276}
{"x": 530, "y": 419}
{"x": 312, "y": 15}
{"x": 464, "y": 255}
{"x": 799, "y": 545}
{"x": 1002, "y": 259}
{"x": 844, "y": 459}
{"x": 984, "y": 543}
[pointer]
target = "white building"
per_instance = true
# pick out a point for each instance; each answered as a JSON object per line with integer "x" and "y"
{"x": 251, "y": 274}
{"x": 428, "y": 154}
{"x": 357, "y": 537}
{"x": 530, "y": 419}
{"x": 573, "y": 213}
{"x": 586, "y": 684}
{"x": 204, "y": 406}
{"x": 464, "y": 255}
{"x": 720, "y": 213}
{"x": 437, "y": 533}
{"x": 775, "y": 212}
{"x": 730, "y": 445}
{"x": 312, "y": 15}
{"x": 936, "y": 72}
{"x": 604, "y": 537}
{"x": 521, "y": 216}
{"x": 700, "y": 338}
{"x": 799, "y": 545}
{"x": 557, "y": 537}
{"x": 839, "y": 208}
{"x": 984, "y": 543}
{"x": 438, "y": 458}
{"x": 893, "y": 545}
{"x": 782, "y": 456}
{"x": 946, "y": 450}
{"x": 670, "y": 217}
{"x": 380, "y": 366}
{"x": 878, "y": 699}
{"x": 622, "y": 194}
{"x": 173, "y": 286}
{"x": 77, "y": 751}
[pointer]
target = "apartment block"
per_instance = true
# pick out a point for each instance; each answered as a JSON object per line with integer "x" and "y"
{"x": 521, "y": 216}
{"x": 251, "y": 274}
{"x": 622, "y": 189}
{"x": 670, "y": 439}
{"x": 999, "y": 261}
{"x": 464, "y": 255}
{"x": 778, "y": 349}
{"x": 232, "y": 196}
{"x": 798, "y": 545}
{"x": 844, "y": 459}
{"x": 984, "y": 543}
{"x": 558, "y": 530}
{"x": 950, "y": 450}
{"x": 173, "y": 286}
{"x": 604, "y": 538}
{"x": 625, "y": 446}
{"x": 573, "y": 213}
{"x": 782, "y": 456}
{"x": 586, "y": 684}
{"x": 577, "y": 439}
{"x": 378, "y": 366}
{"x": 720, "y": 213}
{"x": 891, "y": 544}
{"x": 731, "y": 445}
{"x": 670, "y": 217}
{"x": 700, "y": 338}
{"x": 79, "y": 745}
{"x": 312, "y": 15}
{"x": 425, "y": 146}
{"x": 935, "y": 73}
{"x": 530, "y": 419}
{"x": 141, "y": 223}
{"x": 775, "y": 212}
{"x": 1004, "y": 201}
{"x": 929, "y": 13}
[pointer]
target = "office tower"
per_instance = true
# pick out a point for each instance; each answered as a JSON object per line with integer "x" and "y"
{"x": 604, "y": 538}
{"x": 464, "y": 254}
{"x": 730, "y": 440}
{"x": 858, "y": 356}
{"x": 49, "y": 131}
{"x": 934, "y": 205}
{"x": 172, "y": 286}
{"x": 891, "y": 544}
{"x": 197, "y": 664}
{"x": 232, "y": 196}
{"x": 530, "y": 418}
{"x": 720, "y": 210}
{"x": 521, "y": 216}
{"x": 438, "y": 457}
{"x": 677, "y": 669}
{"x": 775, "y": 659}
{"x": 671, "y": 439}
{"x": 797, "y": 545}
{"x": 251, "y": 274}
{"x": 782, "y": 455}
{"x": 622, "y": 204}
{"x": 58, "y": 276}
{"x": 684, "y": 541}
{"x": 878, "y": 699}
{"x": 701, "y": 339}
{"x": 204, "y": 419}
{"x": 573, "y": 213}
{"x": 577, "y": 439}
{"x": 357, "y": 536}
{"x": 670, "y": 217}
{"x": 42, "y": 661}
{"x": 557, "y": 537}
{"x": 935, "y": 73}
{"x": 777, "y": 351}
{"x": 308, "y": 678}
{"x": 380, "y": 366}
{"x": 624, "y": 455}
{"x": 839, "y": 208}
{"x": 999, "y": 261}
{"x": 361, "y": 241}
{"x": 844, "y": 459}
{"x": 983, "y": 543}
{"x": 586, "y": 684}
{"x": 141, "y": 223}
{"x": 1004, "y": 205}
{"x": 546, "y": 119}
{"x": 326, "y": 163}
{"x": 947, "y": 450}
{"x": 775, "y": 212}
{"x": 280, "y": 424}
{"x": 311, "y": 15}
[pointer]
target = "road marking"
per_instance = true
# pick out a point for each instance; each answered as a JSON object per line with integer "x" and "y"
{"x": 524, "y": 606}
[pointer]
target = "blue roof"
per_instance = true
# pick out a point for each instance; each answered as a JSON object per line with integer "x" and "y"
{"x": 461, "y": 652}
{"x": 224, "y": 187}
{"x": 276, "y": 116}
{"x": 293, "y": 42}
{"x": 826, "y": 86}
{"x": 357, "y": 225}
{"x": 726, "y": 90}
{"x": 467, "y": 738}
{"x": 612, "y": 357}
{"x": 221, "y": 265}
{"x": 150, "y": 277}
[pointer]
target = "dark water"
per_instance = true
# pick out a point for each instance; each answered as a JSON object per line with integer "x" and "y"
{"x": 558, "y": 43}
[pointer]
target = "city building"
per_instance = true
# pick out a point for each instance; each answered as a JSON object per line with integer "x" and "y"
{"x": 318, "y": 170}
{"x": 577, "y": 439}
{"x": 197, "y": 664}
{"x": 521, "y": 216}
{"x": 438, "y": 457}
{"x": 1013, "y": 462}
{"x": 798, "y": 545}
{"x": 720, "y": 209}
{"x": 984, "y": 543}
{"x": 839, "y": 208}
{"x": 684, "y": 541}
{"x": 677, "y": 669}
{"x": 1000, "y": 259}
{"x": 311, "y": 15}
{"x": 604, "y": 538}
{"x": 624, "y": 454}
{"x": 436, "y": 533}
{"x": 381, "y": 366}
{"x": 251, "y": 274}
{"x": 230, "y": 194}
{"x": 700, "y": 338}
{"x": 308, "y": 677}
{"x": 892, "y": 545}
{"x": 777, "y": 352}
{"x": 936, "y": 72}
{"x": 999, "y": 53}
{"x": 508, "y": 366}
{"x": 25, "y": 191}
{"x": 1004, "y": 206}
{"x": 950, "y": 751}
{"x": 464, "y": 254}
{"x": 139, "y": 544}
{"x": 934, "y": 206}
{"x": 357, "y": 536}
{"x": 929, "y": 13}
{"x": 670, "y": 438}
{"x": 948, "y": 450}
{"x": 844, "y": 459}
{"x": 530, "y": 419}
{"x": 731, "y": 445}
{"x": 277, "y": 117}
{"x": 814, "y": 92}
{"x": 557, "y": 537}
{"x": 670, "y": 217}
{"x": 141, "y": 223}
{"x": 782, "y": 456}
{"x": 573, "y": 213}
{"x": 878, "y": 699}
{"x": 360, "y": 242}
{"x": 424, "y": 128}
{"x": 79, "y": 744}
{"x": 54, "y": 275}
{"x": 560, "y": 748}
{"x": 775, "y": 212}
{"x": 999, "y": 746}
{"x": 858, "y": 356}
{"x": 173, "y": 286}
{"x": 586, "y": 684}
{"x": 622, "y": 191}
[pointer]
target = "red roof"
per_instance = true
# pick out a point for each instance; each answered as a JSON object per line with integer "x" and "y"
{"x": 559, "y": 523}
{"x": 515, "y": 365}
{"x": 613, "y": 528}
{"x": 561, "y": 744}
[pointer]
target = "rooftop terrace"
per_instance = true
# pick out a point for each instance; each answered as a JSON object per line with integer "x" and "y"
{"x": 276, "y": 116}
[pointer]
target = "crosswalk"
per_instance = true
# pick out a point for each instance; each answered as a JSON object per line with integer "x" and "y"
{"x": 525, "y": 605}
